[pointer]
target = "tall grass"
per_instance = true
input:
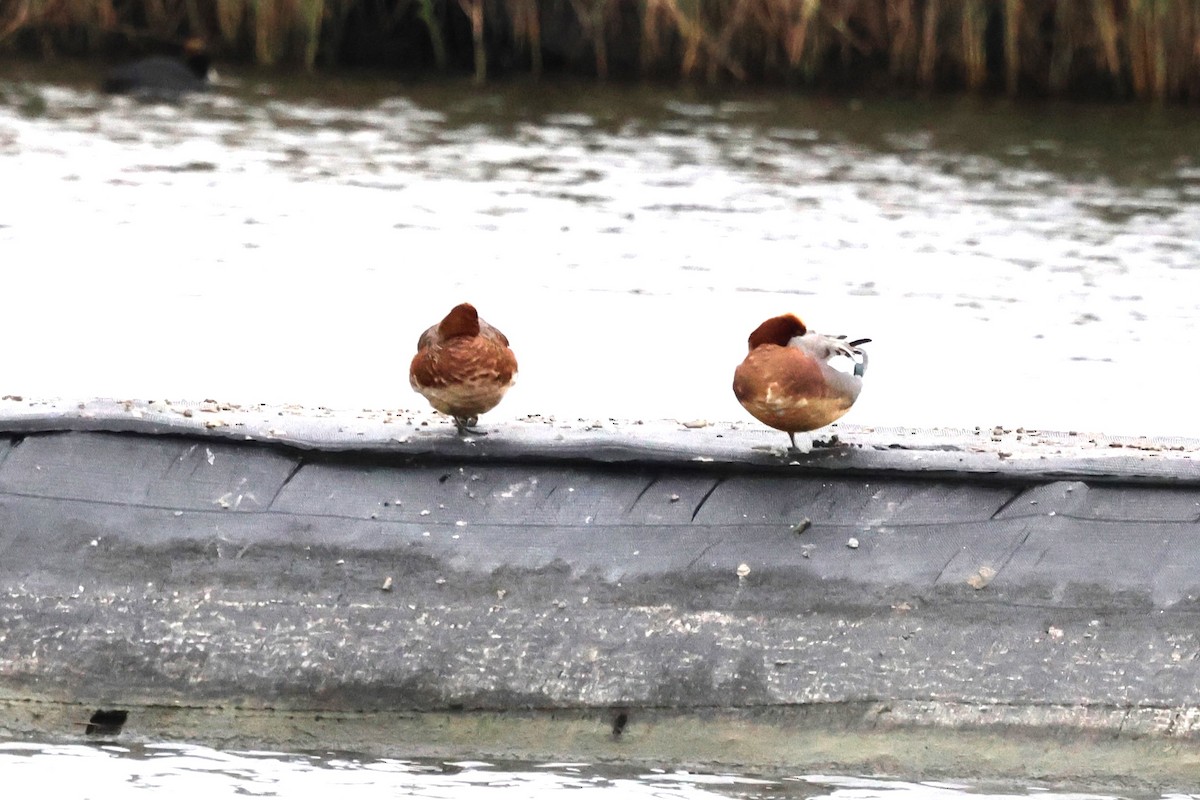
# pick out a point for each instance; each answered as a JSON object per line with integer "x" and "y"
{"x": 1142, "y": 48}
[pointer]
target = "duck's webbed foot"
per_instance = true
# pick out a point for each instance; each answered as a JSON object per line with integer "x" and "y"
{"x": 466, "y": 426}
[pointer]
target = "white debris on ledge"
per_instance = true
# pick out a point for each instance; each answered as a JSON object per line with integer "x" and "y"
{"x": 995, "y": 449}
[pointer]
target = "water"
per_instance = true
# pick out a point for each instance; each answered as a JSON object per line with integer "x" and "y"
{"x": 185, "y": 771}
{"x": 1016, "y": 265}
{"x": 1019, "y": 265}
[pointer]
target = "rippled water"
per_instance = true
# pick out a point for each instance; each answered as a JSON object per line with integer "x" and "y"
{"x": 1019, "y": 265}
{"x": 185, "y": 771}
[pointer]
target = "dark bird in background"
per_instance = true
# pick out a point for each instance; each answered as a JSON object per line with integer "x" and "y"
{"x": 163, "y": 76}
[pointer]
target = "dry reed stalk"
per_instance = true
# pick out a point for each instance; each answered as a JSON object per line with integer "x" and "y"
{"x": 311, "y": 14}
{"x": 1139, "y": 57}
{"x": 700, "y": 49}
{"x": 716, "y": 24}
{"x": 428, "y": 15}
{"x": 156, "y": 15}
{"x": 230, "y": 16}
{"x": 197, "y": 22}
{"x": 164, "y": 18}
{"x": 734, "y": 20}
{"x": 19, "y": 18}
{"x": 796, "y": 34}
{"x": 1195, "y": 33}
{"x": 872, "y": 19}
{"x": 1105, "y": 17}
{"x": 767, "y": 23}
{"x": 660, "y": 23}
{"x": 974, "y": 46}
{"x": 266, "y": 31}
{"x": 751, "y": 24}
{"x": 648, "y": 50}
{"x": 474, "y": 11}
{"x": 688, "y": 24}
{"x": 1062, "y": 52}
{"x": 1012, "y": 46}
{"x": 1157, "y": 34}
{"x": 1189, "y": 52}
{"x": 591, "y": 15}
{"x": 904, "y": 48}
{"x": 926, "y": 70}
{"x": 105, "y": 15}
{"x": 527, "y": 30}
{"x": 840, "y": 20}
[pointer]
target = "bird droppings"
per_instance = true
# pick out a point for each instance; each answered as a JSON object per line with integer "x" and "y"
{"x": 852, "y": 543}
{"x": 743, "y": 570}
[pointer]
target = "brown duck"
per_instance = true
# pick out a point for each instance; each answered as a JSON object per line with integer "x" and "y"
{"x": 463, "y": 367}
{"x": 786, "y": 380}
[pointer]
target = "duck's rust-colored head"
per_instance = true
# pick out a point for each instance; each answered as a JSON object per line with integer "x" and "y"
{"x": 463, "y": 320}
{"x": 778, "y": 330}
{"x": 463, "y": 366}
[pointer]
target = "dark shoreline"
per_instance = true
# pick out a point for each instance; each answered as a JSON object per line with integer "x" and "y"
{"x": 1099, "y": 49}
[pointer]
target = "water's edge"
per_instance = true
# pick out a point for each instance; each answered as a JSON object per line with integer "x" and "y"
{"x": 836, "y": 739}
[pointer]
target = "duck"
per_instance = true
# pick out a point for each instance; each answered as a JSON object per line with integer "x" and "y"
{"x": 463, "y": 367}
{"x": 787, "y": 382}
{"x": 163, "y": 76}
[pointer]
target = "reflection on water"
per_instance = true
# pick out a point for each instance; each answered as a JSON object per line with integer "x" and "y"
{"x": 1020, "y": 265}
{"x": 185, "y": 771}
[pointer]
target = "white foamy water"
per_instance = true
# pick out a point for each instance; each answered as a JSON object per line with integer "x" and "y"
{"x": 1015, "y": 266}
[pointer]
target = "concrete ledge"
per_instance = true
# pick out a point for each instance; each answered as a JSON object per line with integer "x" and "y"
{"x": 871, "y": 593}
{"x": 980, "y": 453}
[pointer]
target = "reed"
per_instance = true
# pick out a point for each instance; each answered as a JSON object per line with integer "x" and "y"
{"x": 428, "y": 15}
{"x": 974, "y": 44}
{"x": 527, "y": 30}
{"x": 1145, "y": 48}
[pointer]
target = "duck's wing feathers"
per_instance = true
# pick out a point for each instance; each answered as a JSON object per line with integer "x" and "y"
{"x": 824, "y": 347}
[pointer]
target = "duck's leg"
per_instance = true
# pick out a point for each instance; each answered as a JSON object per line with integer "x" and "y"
{"x": 466, "y": 426}
{"x": 804, "y": 448}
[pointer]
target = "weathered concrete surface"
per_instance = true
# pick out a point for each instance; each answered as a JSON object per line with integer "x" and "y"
{"x": 565, "y": 577}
